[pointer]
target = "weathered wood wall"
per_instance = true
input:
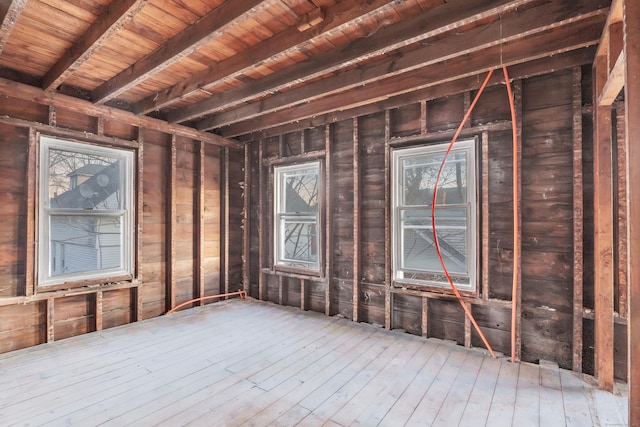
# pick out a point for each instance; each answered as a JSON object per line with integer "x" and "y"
{"x": 556, "y": 212}
{"x": 189, "y": 210}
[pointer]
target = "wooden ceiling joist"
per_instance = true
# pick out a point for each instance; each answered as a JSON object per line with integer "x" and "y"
{"x": 112, "y": 19}
{"x": 441, "y": 19}
{"x": 516, "y": 72}
{"x": 569, "y": 37}
{"x": 10, "y": 10}
{"x": 539, "y": 19}
{"x": 29, "y": 93}
{"x": 337, "y": 18}
{"x": 206, "y": 29}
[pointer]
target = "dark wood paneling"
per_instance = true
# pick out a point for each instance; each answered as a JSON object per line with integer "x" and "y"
{"x": 117, "y": 308}
{"x": 547, "y": 217}
{"x": 446, "y": 320}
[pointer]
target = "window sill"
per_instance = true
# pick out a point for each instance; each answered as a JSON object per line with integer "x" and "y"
{"x": 50, "y": 293}
{"x": 104, "y": 282}
{"x": 296, "y": 273}
{"x": 431, "y": 289}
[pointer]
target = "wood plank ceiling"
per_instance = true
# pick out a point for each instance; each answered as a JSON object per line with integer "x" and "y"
{"x": 243, "y": 66}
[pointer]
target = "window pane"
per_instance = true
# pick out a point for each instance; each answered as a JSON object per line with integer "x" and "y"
{"x": 301, "y": 191}
{"x": 300, "y": 242}
{"x": 419, "y": 177}
{"x": 84, "y": 243}
{"x": 83, "y": 181}
{"x": 418, "y": 244}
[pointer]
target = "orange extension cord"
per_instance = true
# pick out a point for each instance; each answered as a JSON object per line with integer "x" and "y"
{"x": 242, "y": 295}
{"x": 516, "y": 219}
{"x": 433, "y": 217}
{"x": 516, "y": 252}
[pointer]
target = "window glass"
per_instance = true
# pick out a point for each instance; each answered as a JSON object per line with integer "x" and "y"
{"x": 296, "y": 216}
{"x": 83, "y": 180}
{"x": 85, "y": 228}
{"x": 415, "y": 258}
{"x": 301, "y": 191}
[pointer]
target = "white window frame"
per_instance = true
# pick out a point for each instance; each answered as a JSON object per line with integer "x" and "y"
{"x": 45, "y": 212}
{"x": 280, "y": 217}
{"x": 399, "y": 273}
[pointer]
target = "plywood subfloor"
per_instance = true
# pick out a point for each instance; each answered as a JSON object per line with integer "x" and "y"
{"x": 252, "y": 363}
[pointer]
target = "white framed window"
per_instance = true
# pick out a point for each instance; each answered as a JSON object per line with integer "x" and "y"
{"x": 85, "y": 228}
{"x": 297, "y": 208}
{"x": 415, "y": 260}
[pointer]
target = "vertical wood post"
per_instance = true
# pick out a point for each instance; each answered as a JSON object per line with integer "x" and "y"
{"x": 621, "y": 242}
{"x": 98, "y": 312}
{"x": 246, "y": 220}
{"x": 52, "y": 116}
{"x": 226, "y": 219}
{"x": 603, "y": 239}
{"x": 632, "y": 137}
{"x": 32, "y": 170}
{"x": 387, "y": 227}
{"x": 303, "y": 294}
{"x": 171, "y": 226}
{"x": 517, "y": 97}
{"x": 485, "y": 216}
{"x": 356, "y": 221}
{"x": 578, "y": 220}
{"x": 100, "y": 125}
{"x": 328, "y": 221}
{"x": 50, "y": 320}
{"x": 466, "y": 100}
{"x": 424, "y": 317}
{"x": 467, "y": 328}
{"x": 199, "y": 222}
{"x": 136, "y": 293}
{"x": 423, "y": 117}
{"x": 261, "y": 221}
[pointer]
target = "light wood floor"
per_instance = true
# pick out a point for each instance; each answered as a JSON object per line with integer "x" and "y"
{"x": 252, "y": 363}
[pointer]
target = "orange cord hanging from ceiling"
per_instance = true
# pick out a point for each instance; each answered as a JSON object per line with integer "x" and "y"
{"x": 516, "y": 218}
{"x": 433, "y": 217}
{"x": 516, "y": 252}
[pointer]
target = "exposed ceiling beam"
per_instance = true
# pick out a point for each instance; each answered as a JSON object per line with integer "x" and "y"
{"x": 543, "y": 17}
{"x": 110, "y": 21}
{"x": 10, "y": 10}
{"x": 33, "y": 94}
{"x": 337, "y": 18}
{"x": 537, "y": 67}
{"x": 203, "y": 31}
{"x": 570, "y": 37}
{"x": 441, "y": 19}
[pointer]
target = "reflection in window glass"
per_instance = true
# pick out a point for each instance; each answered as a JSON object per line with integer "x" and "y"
{"x": 297, "y": 196}
{"x": 415, "y": 258}
{"x": 85, "y": 229}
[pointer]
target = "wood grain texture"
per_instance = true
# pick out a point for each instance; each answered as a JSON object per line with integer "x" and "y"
{"x": 112, "y": 20}
{"x": 185, "y": 43}
{"x": 25, "y": 92}
{"x": 531, "y": 21}
{"x": 10, "y": 11}
{"x": 429, "y": 24}
{"x": 171, "y": 221}
{"x": 603, "y": 239}
{"x": 340, "y": 16}
{"x": 578, "y": 220}
{"x": 632, "y": 136}
{"x": 511, "y": 53}
{"x": 291, "y": 367}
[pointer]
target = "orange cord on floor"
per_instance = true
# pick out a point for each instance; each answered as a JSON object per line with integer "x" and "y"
{"x": 433, "y": 217}
{"x": 516, "y": 219}
{"x": 242, "y": 295}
